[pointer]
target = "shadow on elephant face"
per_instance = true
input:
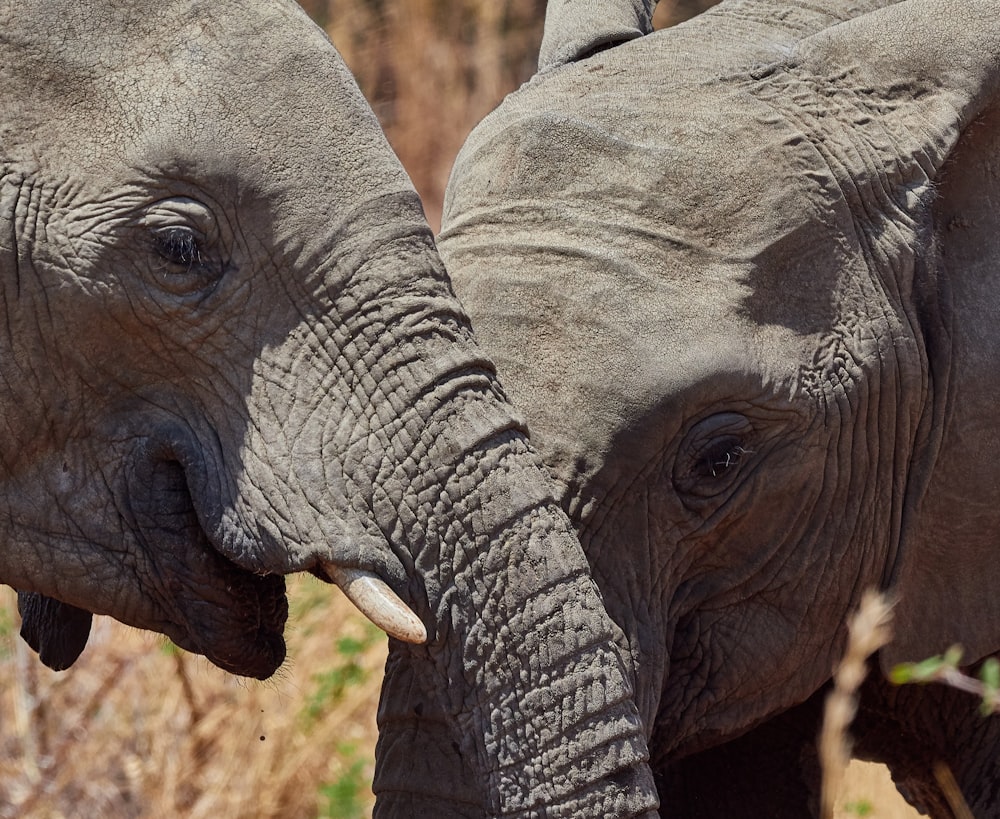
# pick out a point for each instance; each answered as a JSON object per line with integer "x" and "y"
{"x": 723, "y": 269}
{"x": 189, "y": 272}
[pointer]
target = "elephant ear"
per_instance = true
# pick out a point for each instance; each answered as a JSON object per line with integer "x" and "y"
{"x": 912, "y": 84}
{"x": 574, "y": 29}
{"x": 56, "y": 630}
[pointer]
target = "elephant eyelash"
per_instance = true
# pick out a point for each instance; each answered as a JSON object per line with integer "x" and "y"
{"x": 179, "y": 246}
{"x": 732, "y": 457}
{"x": 712, "y": 456}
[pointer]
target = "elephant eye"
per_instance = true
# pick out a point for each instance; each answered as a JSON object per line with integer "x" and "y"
{"x": 712, "y": 455}
{"x": 184, "y": 248}
{"x": 178, "y": 246}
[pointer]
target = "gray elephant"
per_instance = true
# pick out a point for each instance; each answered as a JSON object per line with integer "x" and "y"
{"x": 741, "y": 276}
{"x": 231, "y": 352}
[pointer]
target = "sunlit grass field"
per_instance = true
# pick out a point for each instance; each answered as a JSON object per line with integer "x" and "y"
{"x": 138, "y": 728}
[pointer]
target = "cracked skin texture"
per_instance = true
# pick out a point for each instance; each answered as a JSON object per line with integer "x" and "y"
{"x": 230, "y": 353}
{"x": 740, "y": 276}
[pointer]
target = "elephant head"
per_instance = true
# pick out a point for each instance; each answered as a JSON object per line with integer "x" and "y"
{"x": 741, "y": 276}
{"x": 231, "y": 352}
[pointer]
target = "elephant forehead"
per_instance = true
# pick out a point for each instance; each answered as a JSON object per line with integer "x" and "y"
{"x": 722, "y": 220}
{"x": 652, "y": 254}
{"x": 708, "y": 166}
{"x": 593, "y": 347}
{"x": 190, "y": 89}
{"x": 92, "y": 45}
{"x": 683, "y": 183}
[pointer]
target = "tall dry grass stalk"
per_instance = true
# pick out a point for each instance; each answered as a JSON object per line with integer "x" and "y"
{"x": 952, "y": 793}
{"x": 868, "y": 631}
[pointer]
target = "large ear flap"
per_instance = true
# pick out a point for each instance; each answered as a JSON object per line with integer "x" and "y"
{"x": 947, "y": 578}
{"x": 919, "y": 77}
{"x": 575, "y": 29}
{"x": 927, "y": 69}
{"x": 56, "y": 630}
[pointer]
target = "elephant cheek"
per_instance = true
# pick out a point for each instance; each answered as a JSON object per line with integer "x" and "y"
{"x": 234, "y": 616}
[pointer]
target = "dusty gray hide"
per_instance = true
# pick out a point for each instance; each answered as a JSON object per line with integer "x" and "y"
{"x": 741, "y": 275}
{"x": 231, "y": 353}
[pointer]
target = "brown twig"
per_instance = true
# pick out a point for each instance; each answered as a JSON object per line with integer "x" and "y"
{"x": 180, "y": 664}
{"x": 949, "y": 787}
{"x": 29, "y": 713}
{"x": 868, "y": 631}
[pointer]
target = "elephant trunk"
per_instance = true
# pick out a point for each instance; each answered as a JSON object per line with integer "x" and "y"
{"x": 520, "y": 699}
{"x": 523, "y": 664}
{"x": 548, "y": 724}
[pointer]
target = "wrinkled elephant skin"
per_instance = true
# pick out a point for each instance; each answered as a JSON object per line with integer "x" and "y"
{"x": 741, "y": 276}
{"x": 230, "y": 353}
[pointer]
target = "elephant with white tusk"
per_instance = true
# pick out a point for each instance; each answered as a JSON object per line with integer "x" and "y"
{"x": 743, "y": 278}
{"x": 231, "y": 352}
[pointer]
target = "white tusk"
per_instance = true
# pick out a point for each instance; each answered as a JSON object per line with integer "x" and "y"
{"x": 376, "y": 601}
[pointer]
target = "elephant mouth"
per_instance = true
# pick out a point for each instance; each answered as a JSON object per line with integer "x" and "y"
{"x": 206, "y": 603}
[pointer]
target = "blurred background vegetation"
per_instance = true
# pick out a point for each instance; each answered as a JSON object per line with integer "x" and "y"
{"x": 432, "y": 69}
{"x": 138, "y": 728}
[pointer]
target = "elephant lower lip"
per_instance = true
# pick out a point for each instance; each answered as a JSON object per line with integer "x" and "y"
{"x": 210, "y": 605}
{"x": 246, "y": 639}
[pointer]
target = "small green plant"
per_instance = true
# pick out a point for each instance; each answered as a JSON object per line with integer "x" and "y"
{"x": 343, "y": 798}
{"x": 861, "y": 807}
{"x": 333, "y": 684}
{"x": 6, "y": 622}
{"x": 6, "y": 630}
{"x": 168, "y": 649}
{"x": 944, "y": 668}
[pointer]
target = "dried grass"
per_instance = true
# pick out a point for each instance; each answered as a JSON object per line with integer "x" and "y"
{"x": 868, "y": 791}
{"x": 138, "y": 729}
{"x": 868, "y": 631}
{"x": 432, "y": 69}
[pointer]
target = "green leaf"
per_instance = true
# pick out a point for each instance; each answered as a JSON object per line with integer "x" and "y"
{"x": 343, "y": 797}
{"x": 989, "y": 676}
{"x": 7, "y": 631}
{"x": 989, "y": 673}
{"x": 6, "y": 622}
{"x": 350, "y": 646}
{"x": 953, "y": 656}
{"x": 926, "y": 670}
{"x": 915, "y": 672}
{"x": 169, "y": 649}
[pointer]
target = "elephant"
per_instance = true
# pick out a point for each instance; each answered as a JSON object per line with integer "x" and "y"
{"x": 231, "y": 353}
{"x": 740, "y": 275}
